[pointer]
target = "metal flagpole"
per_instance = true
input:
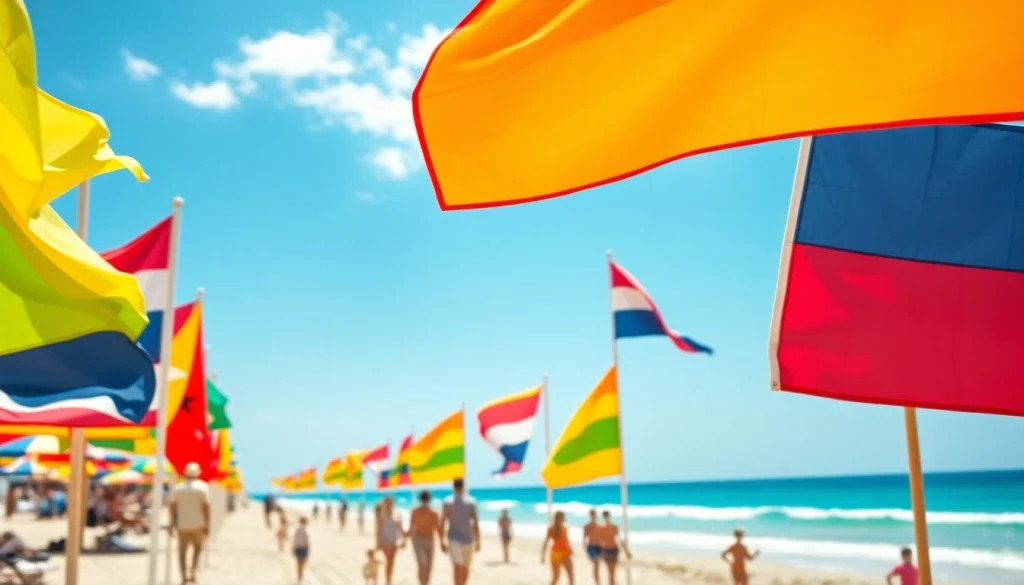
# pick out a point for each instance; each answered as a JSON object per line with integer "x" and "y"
{"x": 547, "y": 440}
{"x": 465, "y": 483}
{"x": 164, "y": 381}
{"x": 623, "y": 488}
{"x": 76, "y": 483}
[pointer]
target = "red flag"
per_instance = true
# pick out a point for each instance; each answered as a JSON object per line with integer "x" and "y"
{"x": 188, "y": 438}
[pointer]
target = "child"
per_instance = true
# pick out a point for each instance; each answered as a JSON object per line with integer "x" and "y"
{"x": 505, "y": 529}
{"x": 300, "y": 545}
{"x": 282, "y": 533}
{"x": 906, "y": 570}
{"x": 371, "y": 568}
{"x": 737, "y": 556}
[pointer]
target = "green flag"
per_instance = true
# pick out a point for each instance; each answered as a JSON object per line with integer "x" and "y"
{"x": 216, "y": 407}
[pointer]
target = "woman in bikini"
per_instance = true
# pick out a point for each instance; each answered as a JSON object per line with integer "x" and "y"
{"x": 737, "y": 556}
{"x": 389, "y": 531}
{"x": 561, "y": 552}
{"x": 610, "y": 541}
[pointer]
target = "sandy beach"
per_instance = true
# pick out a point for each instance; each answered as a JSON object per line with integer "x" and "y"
{"x": 244, "y": 552}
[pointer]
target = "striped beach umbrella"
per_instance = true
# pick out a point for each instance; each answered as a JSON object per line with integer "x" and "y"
{"x": 101, "y": 458}
{"x": 109, "y": 458}
{"x": 24, "y": 466}
{"x": 128, "y": 477}
{"x": 30, "y": 445}
{"x": 148, "y": 466}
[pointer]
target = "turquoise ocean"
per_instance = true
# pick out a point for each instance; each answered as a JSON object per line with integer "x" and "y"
{"x": 975, "y": 519}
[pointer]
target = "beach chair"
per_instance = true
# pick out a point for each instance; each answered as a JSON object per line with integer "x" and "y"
{"x": 19, "y": 570}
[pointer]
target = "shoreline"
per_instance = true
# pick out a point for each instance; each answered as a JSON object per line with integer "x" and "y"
{"x": 677, "y": 563}
{"x": 244, "y": 552}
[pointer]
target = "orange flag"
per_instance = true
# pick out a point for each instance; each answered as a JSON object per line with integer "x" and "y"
{"x": 531, "y": 99}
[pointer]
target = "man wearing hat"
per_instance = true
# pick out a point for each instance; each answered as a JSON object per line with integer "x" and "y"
{"x": 190, "y": 516}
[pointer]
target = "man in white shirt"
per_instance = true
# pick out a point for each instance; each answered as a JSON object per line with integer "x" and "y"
{"x": 190, "y": 516}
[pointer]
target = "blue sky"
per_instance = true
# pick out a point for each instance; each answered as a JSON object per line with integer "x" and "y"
{"x": 343, "y": 307}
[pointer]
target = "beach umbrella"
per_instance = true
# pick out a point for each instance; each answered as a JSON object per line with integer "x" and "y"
{"x": 128, "y": 477}
{"x": 148, "y": 466}
{"x": 109, "y": 458}
{"x": 25, "y": 466}
{"x": 30, "y": 445}
{"x": 63, "y": 470}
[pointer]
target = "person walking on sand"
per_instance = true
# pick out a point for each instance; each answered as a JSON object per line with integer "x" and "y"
{"x": 592, "y": 545}
{"x": 459, "y": 522}
{"x": 360, "y": 511}
{"x": 342, "y": 513}
{"x": 423, "y": 525}
{"x": 610, "y": 541}
{"x": 282, "y": 532}
{"x": 268, "y": 509}
{"x": 389, "y": 533}
{"x": 737, "y": 556}
{"x": 561, "y": 551}
{"x": 906, "y": 570}
{"x": 300, "y": 547}
{"x": 190, "y": 514}
{"x": 505, "y": 530}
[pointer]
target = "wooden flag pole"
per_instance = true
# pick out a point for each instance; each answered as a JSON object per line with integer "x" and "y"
{"x": 547, "y": 440}
{"x": 77, "y": 482}
{"x": 623, "y": 487}
{"x": 924, "y": 565}
{"x": 163, "y": 391}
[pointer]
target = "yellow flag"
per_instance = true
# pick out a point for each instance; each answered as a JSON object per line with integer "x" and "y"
{"x": 530, "y": 99}
{"x": 589, "y": 447}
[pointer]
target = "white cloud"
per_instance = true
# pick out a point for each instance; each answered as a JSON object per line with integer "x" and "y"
{"x": 138, "y": 68}
{"x": 396, "y": 163}
{"x": 213, "y": 96}
{"x": 416, "y": 51}
{"x": 344, "y": 79}
{"x": 363, "y": 107}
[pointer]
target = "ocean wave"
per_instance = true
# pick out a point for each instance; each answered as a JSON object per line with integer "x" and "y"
{"x": 736, "y": 514}
{"x": 791, "y": 547}
{"x": 499, "y": 505}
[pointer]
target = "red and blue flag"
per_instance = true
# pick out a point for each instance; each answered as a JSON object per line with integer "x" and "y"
{"x": 506, "y": 424}
{"x": 902, "y": 273}
{"x": 636, "y": 315}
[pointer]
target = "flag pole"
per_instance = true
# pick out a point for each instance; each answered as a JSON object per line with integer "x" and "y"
{"x": 465, "y": 468}
{"x": 547, "y": 439}
{"x": 924, "y": 564}
{"x": 412, "y": 488}
{"x": 164, "y": 381}
{"x": 623, "y": 487}
{"x": 76, "y": 483}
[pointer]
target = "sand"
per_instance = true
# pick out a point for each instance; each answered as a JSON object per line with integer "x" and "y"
{"x": 244, "y": 552}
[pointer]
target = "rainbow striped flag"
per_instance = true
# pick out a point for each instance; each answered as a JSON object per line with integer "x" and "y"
{"x": 589, "y": 447}
{"x": 353, "y": 479}
{"x": 399, "y": 476}
{"x": 334, "y": 472}
{"x": 440, "y": 455}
